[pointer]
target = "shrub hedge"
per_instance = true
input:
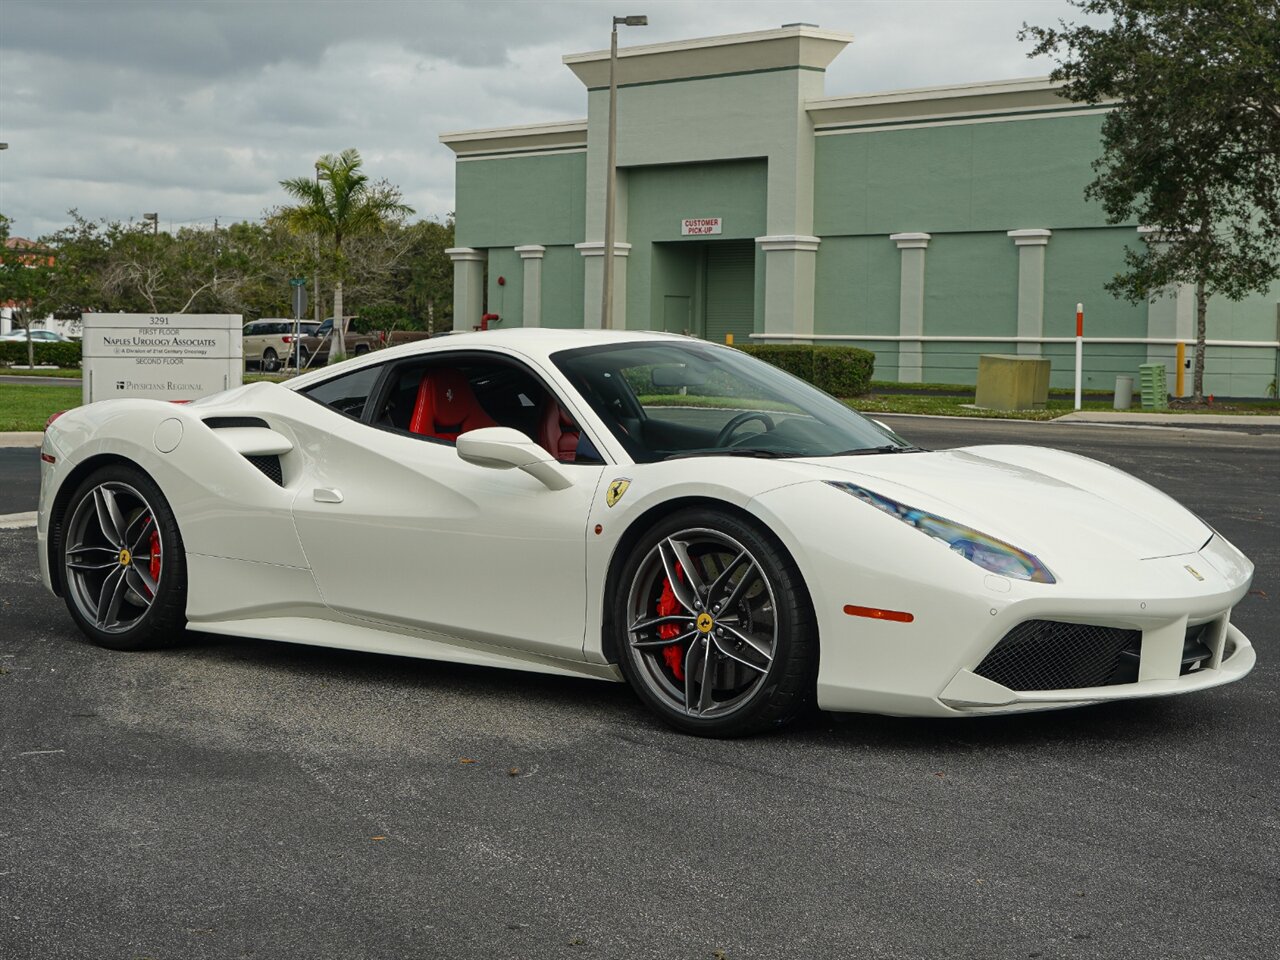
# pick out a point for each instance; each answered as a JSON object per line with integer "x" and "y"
{"x": 839, "y": 371}
{"x": 57, "y": 354}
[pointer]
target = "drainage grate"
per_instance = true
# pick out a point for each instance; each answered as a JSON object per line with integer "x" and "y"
{"x": 1048, "y": 655}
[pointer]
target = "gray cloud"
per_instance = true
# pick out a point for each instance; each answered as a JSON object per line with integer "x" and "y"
{"x": 198, "y": 109}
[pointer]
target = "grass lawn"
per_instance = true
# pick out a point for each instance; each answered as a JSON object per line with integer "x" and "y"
{"x": 28, "y": 407}
{"x": 69, "y": 373}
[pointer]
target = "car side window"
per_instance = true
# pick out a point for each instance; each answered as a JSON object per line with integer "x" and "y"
{"x": 347, "y": 394}
{"x": 441, "y": 398}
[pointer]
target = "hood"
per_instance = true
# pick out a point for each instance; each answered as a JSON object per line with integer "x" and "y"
{"x": 1054, "y": 504}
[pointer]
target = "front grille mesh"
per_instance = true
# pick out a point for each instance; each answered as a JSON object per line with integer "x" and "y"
{"x": 1048, "y": 655}
{"x": 269, "y": 465}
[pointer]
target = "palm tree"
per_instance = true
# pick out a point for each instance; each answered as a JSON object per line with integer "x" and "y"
{"x": 340, "y": 203}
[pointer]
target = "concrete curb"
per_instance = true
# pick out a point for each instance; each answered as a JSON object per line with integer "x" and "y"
{"x": 21, "y": 439}
{"x": 1175, "y": 419}
{"x": 17, "y": 521}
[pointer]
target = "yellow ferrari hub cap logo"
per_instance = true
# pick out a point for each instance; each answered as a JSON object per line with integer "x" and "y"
{"x": 125, "y": 558}
{"x": 615, "y": 491}
{"x": 705, "y": 623}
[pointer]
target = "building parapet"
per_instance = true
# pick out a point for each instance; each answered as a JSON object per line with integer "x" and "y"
{"x": 524, "y": 138}
{"x": 1009, "y": 99}
{"x": 794, "y": 46}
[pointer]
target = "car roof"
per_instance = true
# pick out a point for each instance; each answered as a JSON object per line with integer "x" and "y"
{"x": 534, "y": 342}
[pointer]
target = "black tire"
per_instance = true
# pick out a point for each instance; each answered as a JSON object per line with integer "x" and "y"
{"x": 98, "y": 548}
{"x": 304, "y": 358}
{"x": 361, "y": 350}
{"x": 742, "y": 629}
{"x": 270, "y": 361}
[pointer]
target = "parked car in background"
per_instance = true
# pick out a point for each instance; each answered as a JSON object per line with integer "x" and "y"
{"x": 268, "y": 343}
{"x": 39, "y": 336}
{"x": 318, "y": 345}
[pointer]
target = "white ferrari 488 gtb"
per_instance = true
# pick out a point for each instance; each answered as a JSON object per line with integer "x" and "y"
{"x": 729, "y": 540}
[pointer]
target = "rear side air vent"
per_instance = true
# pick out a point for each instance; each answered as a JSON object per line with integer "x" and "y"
{"x": 218, "y": 423}
{"x": 253, "y": 439}
{"x": 270, "y": 467}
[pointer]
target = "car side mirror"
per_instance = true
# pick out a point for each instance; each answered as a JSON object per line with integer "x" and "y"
{"x": 502, "y": 448}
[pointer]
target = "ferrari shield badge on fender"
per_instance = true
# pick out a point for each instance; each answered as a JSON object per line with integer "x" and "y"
{"x": 616, "y": 490}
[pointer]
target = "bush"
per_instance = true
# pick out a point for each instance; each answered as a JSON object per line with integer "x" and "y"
{"x": 56, "y": 354}
{"x": 843, "y": 371}
{"x": 795, "y": 358}
{"x": 839, "y": 371}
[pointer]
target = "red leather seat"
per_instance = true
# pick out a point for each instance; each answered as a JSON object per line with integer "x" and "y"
{"x": 557, "y": 433}
{"x": 447, "y": 406}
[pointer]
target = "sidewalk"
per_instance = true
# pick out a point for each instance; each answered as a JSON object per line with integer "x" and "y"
{"x": 1190, "y": 420}
{"x": 18, "y": 439}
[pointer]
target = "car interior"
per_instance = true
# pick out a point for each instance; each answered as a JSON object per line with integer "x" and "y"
{"x": 442, "y": 399}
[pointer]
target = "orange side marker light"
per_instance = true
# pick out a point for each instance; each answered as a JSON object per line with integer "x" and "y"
{"x": 875, "y": 613}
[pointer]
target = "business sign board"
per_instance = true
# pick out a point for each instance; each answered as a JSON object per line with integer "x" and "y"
{"x": 700, "y": 227}
{"x": 178, "y": 356}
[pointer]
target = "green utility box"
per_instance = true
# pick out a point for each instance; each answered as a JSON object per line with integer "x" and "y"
{"x": 1153, "y": 386}
{"x": 1012, "y": 383}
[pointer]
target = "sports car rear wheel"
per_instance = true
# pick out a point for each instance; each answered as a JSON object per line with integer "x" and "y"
{"x": 717, "y": 632}
{"x": 123, "y": 567}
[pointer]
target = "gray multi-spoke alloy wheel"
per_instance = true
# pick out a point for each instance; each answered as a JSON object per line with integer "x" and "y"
{"x": 716, "y": 632}
{"x": 122, "y": 561}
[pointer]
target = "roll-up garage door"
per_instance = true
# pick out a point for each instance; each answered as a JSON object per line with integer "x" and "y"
{"x": 731, "y": 290}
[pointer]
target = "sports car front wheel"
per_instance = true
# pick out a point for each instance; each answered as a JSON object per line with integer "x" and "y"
{"x": 717, "y": 633}
{"x": 123, "y": 567}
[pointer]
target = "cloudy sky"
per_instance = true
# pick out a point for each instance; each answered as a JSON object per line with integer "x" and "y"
{"x": 197, "y": 108}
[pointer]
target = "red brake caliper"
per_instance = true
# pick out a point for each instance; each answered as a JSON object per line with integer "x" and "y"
{"x": 155, "y": 555}
{"x": 669, "y": 606}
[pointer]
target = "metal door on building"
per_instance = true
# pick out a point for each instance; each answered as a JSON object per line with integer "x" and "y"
{"x": 677, "y": 315}
{"x": 731, "y": 290}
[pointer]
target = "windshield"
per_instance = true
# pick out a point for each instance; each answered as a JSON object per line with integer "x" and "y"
{"x": 668, "y": 399}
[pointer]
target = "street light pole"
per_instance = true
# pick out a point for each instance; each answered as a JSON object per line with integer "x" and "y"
{"x": 315, "y": 277}
{"x": 611, "y": 178}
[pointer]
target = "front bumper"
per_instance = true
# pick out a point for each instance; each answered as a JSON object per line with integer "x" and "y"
{"x": 959, "y": 613}
{"x": 1233, "y": 657}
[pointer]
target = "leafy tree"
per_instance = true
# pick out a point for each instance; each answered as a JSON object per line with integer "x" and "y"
{"x": 25, "y": 272}
{"x": 1193, "y": 146}
{"x": 336, "y": 206}
{"x": 81, "y": 250}
{"x": 428, "y": 282}
{"x": 402, "y": 276}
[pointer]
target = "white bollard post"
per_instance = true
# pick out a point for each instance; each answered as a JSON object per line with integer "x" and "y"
{"x": 1079, "y": 349}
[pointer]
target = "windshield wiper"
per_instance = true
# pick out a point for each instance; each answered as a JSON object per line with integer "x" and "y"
{"x": 864, "y": 451}
{"x": 728, "y": 452}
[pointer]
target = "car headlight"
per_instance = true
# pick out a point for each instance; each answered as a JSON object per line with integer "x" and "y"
{"x": 975, "y": 546}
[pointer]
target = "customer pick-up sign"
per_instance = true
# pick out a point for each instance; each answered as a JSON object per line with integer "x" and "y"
{"x": 177, "y": 356}
{"x": 700, "y": 227}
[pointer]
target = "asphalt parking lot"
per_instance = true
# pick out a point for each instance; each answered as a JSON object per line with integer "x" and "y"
{"x": 237, "y": 799}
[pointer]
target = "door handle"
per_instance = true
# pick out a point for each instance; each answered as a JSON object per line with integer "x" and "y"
{"x": 326, "y": 495}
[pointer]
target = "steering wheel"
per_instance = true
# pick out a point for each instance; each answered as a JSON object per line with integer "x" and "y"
{"x": 727, "y": 431}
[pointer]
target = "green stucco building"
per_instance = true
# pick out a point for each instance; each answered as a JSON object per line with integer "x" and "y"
{"x": 929, "y": 225}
